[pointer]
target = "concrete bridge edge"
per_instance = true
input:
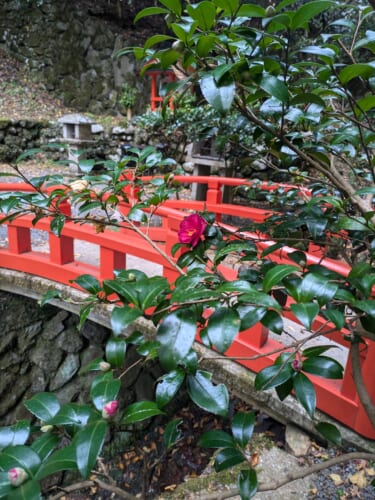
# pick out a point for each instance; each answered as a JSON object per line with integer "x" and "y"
{"x": 239, "y": 380}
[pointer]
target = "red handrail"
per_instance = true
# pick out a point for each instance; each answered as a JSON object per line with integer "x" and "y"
{"x": 338, "y": 398}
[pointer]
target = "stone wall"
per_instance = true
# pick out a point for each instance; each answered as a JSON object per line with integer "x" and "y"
{"x": 41, "y": 349}
{"x": 17, "y": 136}
{"x": 72, "y": 52}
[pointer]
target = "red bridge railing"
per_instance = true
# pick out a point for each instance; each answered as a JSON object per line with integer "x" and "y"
{"x": 337, "y": 398}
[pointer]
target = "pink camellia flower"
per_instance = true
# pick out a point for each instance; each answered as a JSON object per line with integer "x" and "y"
{"x": 17, "y": 476}
{"x": 191, "y": 230}
{"x": 110, "y": 409}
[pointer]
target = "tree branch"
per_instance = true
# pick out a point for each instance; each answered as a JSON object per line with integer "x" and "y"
{"x": 359, "y": 383}
{"x": 298, "y": 474}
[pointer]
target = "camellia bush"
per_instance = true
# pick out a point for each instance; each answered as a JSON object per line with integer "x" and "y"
{"x": 311, "y": 108}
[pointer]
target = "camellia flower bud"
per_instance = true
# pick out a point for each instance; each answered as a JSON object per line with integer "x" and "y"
{"x": 297, "y": 364}
{"x": 17, "y": 476}
{"x": 110, "y": 409}
{"x": 46, "y": 428}
{"x": 104, "y": 366}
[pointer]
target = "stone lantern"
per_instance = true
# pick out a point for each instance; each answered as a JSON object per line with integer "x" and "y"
{"x": 77, "y": 134}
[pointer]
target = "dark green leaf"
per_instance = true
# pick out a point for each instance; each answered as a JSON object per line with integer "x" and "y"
{"x": 88, "y": 283}
{"x": 276, "y": 274}
{"x": 122, "y": 317}
{"x": 20, "y": 456}
{"x": 43, "y": 405}
{"x": 323, "y": 366}
{"x": 104, "y": 392}
{"x": 216, "y": 439}
{"x": 227, "y": 458}
{"x": 61, "y": 460}
{"x": 149, "y": 11}
{"x": 45, "y": 444}
{"x": 168, "y": 386}
{"x": 275, "y": 87}
{"x": 272, "y": 376}
{"x": 176, "y": 335}
{"x": 305, "y": 393}
{"x": 273, "y": 321}
{"x": 223, "y": 327}
{"x": 72, "y": 414}
{"x": 220, "y": 97}
{"x": 172, "y": 433}
{"x": 88, "y": 443}
{"x": 247, "y": 483}
{"x": 305, "y": 313}
{"x": 30, "y": 490}
{"x": 242, "y": 427}
{"x": 329, "y": 432}
{"x": 210, "y": 397}
{"x": 142, "y": 410}
{"x": 115, "y": 351}
{"x": 308, "y": 11}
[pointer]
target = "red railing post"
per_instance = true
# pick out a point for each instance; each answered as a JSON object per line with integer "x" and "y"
{"x": 110, "y": 261}
{"x": 19, "y": 239}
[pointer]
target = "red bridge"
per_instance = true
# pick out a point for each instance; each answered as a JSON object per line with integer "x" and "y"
{"x": 337, "y": 398}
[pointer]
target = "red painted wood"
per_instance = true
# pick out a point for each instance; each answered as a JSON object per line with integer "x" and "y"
{"x": 335, "y": 397}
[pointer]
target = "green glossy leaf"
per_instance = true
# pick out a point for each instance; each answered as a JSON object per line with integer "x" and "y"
{"x": 216, "y": 439}
{"x": 323, "y": 366}
{"x": 329, "y": 432}
{"x": 243, "y": 427}
{"x": 30, "y": 490}
{"x": 273, "y": 322}
{"x": 305, "y": 313}
{"x": 176, "y": 335}
{"x": 88, "y": 283}
{"x": 247, "y": 483}
{"x": 210, "y": 397}
{"x": 260, "y": 299}
{"x": 351, "y": 71}
{"x": 15, "y": 434}
{"x": 219, "y": 97}
{"x": 115, "y": 350}
{"x": 88, "y": 443}
{"x": 251, "y": 10}
{"x": 104, "y": 392}
{"x": 272, "y": 376}
{"x": 43, "y": 405}
{"x": 45, "y": 444}
{"x": 142, "y": 410}
{"x": 5, "y": 486}
{"x": 227, "y": 458}
{"x": 305, "y": 393}
{"x": 19, "y": 456}
{"x": 172, "y": 433}
{"x": 204, "y": 13}
{"x": 336, "y": 317}
{"x": 308, "y": 11}
{"x": 72, "y": 414}
{"x": 150, "y": 11}
{"x": 61, "y": 460}
{"x": 168, "y": 386}
{"x": 250, "y": 316}
{"x": 277, "y": 274}
{"x": 275, "y": 87}
{"x": 314, "y": 285}
{"x": 122, "y": 317}
{"x": 317, "y": 350}
{"x": 223, "y": 327}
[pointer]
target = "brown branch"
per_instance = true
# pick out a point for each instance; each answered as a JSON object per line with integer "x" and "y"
{"x": 359, "y": 382}
{"x": 293, "y": 476}
{"x": 89, "y": 484}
